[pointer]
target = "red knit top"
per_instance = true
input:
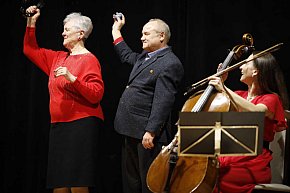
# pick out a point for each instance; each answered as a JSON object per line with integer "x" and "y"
{"x": 68, "y": 101}
{"x": 274, "y": 104}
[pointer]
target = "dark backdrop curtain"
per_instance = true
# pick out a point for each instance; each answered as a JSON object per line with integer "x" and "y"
{"x": 203, "y": 32}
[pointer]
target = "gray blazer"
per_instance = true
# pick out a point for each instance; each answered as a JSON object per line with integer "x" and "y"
{"x": 149, "y": 96}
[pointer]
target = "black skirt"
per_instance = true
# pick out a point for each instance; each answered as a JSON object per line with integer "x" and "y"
{"x": 73, "y": 153}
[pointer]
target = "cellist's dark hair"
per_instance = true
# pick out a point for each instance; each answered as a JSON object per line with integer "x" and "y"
{"x": 270, "y": 77}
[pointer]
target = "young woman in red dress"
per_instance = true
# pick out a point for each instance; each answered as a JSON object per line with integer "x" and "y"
{"x": 266, "y": 93}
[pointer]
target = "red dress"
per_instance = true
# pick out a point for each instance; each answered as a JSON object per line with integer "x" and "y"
{"x": 240, "y": 174}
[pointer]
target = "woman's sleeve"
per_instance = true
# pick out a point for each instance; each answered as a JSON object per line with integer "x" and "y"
{"x": 274, "y": 105}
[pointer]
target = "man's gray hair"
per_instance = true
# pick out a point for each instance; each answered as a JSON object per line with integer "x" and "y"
{"x": 162, "y": 27}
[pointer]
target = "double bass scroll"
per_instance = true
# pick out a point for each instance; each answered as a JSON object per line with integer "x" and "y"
{"x": 235, "y": 53}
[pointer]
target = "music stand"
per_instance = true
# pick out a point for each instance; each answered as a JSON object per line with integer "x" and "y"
{"x": 213, "y": 134}
{"x": 220, "y": 133}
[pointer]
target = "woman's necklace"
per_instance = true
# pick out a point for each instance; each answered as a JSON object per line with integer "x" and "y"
{"x": 249, "y": 98}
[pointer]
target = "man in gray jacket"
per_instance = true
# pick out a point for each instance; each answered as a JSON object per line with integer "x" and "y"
{"x": 143, "y": 114}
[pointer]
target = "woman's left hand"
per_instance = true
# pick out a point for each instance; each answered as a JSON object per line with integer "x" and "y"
{"x": 63, "y": 71}
{"x": 216, "y": 82}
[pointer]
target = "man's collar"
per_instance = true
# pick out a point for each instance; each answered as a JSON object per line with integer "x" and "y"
{"x": 150, "y": 54}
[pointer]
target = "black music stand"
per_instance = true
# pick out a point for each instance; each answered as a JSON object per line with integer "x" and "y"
{"x": 213, "y": 134}
{"x": 220, "y": 133}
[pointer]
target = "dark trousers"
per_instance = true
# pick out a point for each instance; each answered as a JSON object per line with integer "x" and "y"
{"x": 136, "y": 161}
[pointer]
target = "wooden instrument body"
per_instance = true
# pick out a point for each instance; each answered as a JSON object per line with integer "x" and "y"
{"x": 194, "y": 174}
{"x": 198, "y": 174}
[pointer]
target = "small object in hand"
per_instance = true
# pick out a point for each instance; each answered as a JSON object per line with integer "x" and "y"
{"x": 118, "y": 15}
{"x": 39, "y": 5}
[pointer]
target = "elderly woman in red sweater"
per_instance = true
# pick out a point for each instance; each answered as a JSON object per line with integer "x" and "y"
{"x": 76, "y": 89}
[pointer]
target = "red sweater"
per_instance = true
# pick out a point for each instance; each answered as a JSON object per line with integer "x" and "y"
{"x": 68, "y": 101}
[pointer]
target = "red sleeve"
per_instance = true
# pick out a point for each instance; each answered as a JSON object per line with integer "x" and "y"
{"x": 90, "y": 84}
{"x": 41, "y": 57}
{"x": 118, "y": 40}
{"x": 274, "y": 105}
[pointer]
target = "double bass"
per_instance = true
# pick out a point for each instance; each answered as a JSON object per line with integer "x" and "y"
{"x": 197, "y": 174}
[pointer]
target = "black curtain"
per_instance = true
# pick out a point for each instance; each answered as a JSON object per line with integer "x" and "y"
{"x": 203, "y": 33}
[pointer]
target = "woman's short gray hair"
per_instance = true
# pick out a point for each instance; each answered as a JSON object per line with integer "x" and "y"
{"x": 81, "y": 22}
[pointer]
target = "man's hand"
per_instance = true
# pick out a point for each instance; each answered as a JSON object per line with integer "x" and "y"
{"x": 116, "y": 28}
{"x": 147, "y": 140}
